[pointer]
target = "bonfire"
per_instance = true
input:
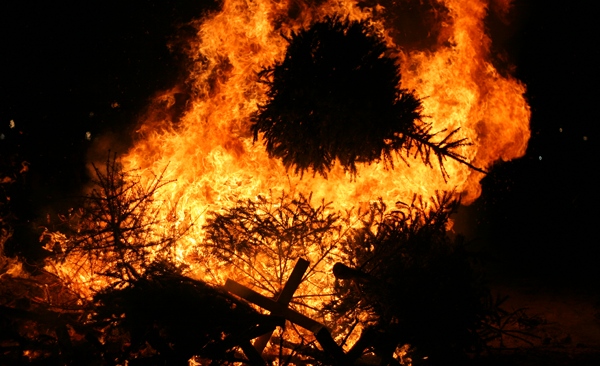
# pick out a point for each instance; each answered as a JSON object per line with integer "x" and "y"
{"x": 297, "y": 211}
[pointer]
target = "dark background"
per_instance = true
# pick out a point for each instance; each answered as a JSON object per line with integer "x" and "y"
{"x": 542, "y": 210}
{"x": 71, "y": 69}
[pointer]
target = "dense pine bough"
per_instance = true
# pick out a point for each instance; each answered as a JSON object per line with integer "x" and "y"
{"x": 335, "y": 98}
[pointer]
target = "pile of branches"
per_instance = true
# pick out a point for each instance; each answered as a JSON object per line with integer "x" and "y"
{"x": 336, "y": 97}
{"x": 163, "y": 318}
{"x": 400, "y": 275}
{"x": 416, "y": 284}
{"x": 167, "y": 318}
{"x": 112, "y": 235}
{"x": 263, "y": 238}
{"x": 147, "y": 312}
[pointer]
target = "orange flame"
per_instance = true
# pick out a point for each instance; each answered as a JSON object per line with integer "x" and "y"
{"x": 211, "y": 154}
{"x": 209, "y": 150}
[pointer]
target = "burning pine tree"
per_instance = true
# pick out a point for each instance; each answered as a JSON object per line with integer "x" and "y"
{"x": 335, "y": 98}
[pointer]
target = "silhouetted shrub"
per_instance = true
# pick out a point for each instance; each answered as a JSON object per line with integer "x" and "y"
{"x": 336, "y": 97}
{"x": 414, "y": 281}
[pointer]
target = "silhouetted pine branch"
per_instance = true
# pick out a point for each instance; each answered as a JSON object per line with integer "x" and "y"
{"x": 118, "y": 231}
{"x": 420, "y": 141}
{"x": 262, "y": 239}
{"x": 336, "y": 97}
{"x": 411, "y": 284}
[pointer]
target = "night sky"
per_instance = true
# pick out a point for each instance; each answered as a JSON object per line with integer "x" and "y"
{"x": 72, "y": 69}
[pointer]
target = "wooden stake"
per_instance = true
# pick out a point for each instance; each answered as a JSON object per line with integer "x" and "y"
{"x": 279, "y": 307}
{"x": 284, "y": 298}
{"x": 273, "y": 306}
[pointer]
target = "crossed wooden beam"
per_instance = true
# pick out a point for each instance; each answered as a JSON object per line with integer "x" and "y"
{"x": 279, "y": 307}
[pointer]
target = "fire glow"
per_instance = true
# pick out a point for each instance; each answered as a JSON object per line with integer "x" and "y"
{"x": 210, "y": 151}
{"x": 209, "y": 154}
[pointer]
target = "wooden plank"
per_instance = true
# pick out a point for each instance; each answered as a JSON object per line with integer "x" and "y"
{"x": 284, "y": 298}
{"x": 330, "y": 347}
{"x": 253, "y": 356}
{"x": 279, "y": 307}
{"x": 293, "y": 282}
{"x": 273, "y": 306}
